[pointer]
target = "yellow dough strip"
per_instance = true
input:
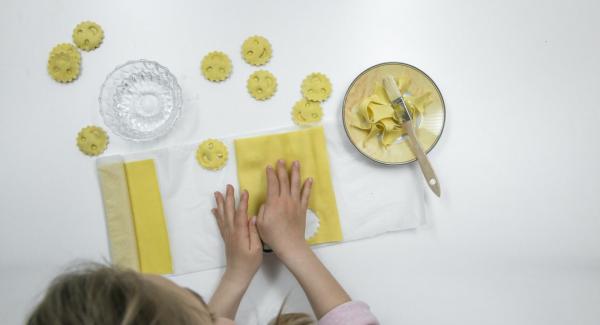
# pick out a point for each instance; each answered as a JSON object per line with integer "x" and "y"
{"x": 117, "y": 210}
{"x": 310, "y": 148}
{"x": 148, "y": 218}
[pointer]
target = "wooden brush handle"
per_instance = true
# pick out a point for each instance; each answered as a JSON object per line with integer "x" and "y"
{"x": 428, "y": 172}
{"x": 432, "y": 181}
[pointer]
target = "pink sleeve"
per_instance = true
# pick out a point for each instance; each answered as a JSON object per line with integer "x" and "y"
{"x": 350, "y": 313}
{"x": 224, "y": 321}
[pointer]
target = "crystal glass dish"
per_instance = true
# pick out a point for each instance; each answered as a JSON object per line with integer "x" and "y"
{"x": 140, "y": 100}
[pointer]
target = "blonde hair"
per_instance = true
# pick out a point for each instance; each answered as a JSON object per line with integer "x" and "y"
{"x": 291, "y": 318}
{"x": 98, "y": 294}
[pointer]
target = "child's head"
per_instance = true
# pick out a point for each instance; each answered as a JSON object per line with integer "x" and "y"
{"x": 99, "y": 294}
{"x": 104, "y": 295}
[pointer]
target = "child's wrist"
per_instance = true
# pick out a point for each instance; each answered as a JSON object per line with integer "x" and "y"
{"x": 292, "y": 252}
{"x": 237, "y": 278}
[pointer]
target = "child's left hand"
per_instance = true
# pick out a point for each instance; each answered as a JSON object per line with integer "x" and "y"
{"x": 243, "y": 247}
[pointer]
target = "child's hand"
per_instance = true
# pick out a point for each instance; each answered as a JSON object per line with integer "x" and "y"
{"x": 281, "y": 223}
{"x": 282, "y": 219}
{"x": 242, "y": 243}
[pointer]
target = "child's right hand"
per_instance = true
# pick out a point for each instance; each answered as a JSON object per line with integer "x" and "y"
{"x": 281, "y": 222}
{"x": 282, "y": 218}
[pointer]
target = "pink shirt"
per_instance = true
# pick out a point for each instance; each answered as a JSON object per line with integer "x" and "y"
{"x": 350, "y": 313}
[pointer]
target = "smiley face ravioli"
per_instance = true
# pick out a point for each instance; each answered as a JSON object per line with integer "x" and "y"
{"x": 88, "y": 35}
{"x": 262, "y": 85}
{"x": 64, "y": 63}
{"x": 216, "y": 66}
{"x": 92, "y": 140}
{"x": 256, "y": 50}
{"x": 212, "y": 154}
{"x": 316, "y": 87}
{"x": 306, "y": 112}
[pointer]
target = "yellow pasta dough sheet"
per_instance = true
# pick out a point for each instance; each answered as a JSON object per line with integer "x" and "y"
{"x": 310, "y": 148}
{"x": 148, "y": 217}
{"x": 117, "y": 209}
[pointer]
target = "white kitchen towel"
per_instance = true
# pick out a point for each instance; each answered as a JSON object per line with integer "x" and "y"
{"x": 372, "y": 199}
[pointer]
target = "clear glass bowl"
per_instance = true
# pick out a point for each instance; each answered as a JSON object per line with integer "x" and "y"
{"x": 429, "y": 125}
{"x": 140, "y": 100}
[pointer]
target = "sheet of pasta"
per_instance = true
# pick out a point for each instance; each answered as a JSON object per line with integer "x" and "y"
{"x": 371, "y": 199}
{"x": 310, "y": 148}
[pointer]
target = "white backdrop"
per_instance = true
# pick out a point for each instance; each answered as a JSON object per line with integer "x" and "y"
{"x": 514, "y": 238}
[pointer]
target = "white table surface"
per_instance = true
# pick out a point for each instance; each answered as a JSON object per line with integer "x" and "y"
{"x": 515, "y": 238}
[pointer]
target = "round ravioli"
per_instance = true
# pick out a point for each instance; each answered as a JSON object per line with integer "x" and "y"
{"x": 212, "y": 154}
{"x": 88, "y": 35}
{"x": 216, "y": 66}
{"x": 262, "y": 84}
{"x": 64, "y": 63}
{"x": 256, "y": 50}
{"x": 306, "y": 112}
{"x": 92, "y": 140}
{"x": 316, "y": 87}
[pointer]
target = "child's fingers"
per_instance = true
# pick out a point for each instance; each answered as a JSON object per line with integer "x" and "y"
{"x": 220, "y": 204}
{"x": 215, "y": 213}
{"x": 284, "y": 181}
{"x": 229, "y": 205}
{"x": 253, "y": 231}
{"x": 272, "y": 183}
{"x": 295, "y": 186}
{"x": 241, "y": 216}
{"x": 260, "y": 217}
{"x": 306, "y": 193}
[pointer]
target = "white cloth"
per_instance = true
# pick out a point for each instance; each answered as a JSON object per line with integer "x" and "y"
{"x": 372, "y": 198}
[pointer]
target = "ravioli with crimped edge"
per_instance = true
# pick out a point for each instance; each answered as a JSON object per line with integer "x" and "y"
{"x": 306, "y": 112}
{"x": 88, "y": 35}
{"x": 216, "y": 66}
{"x": 256, "y": 50}
{"x": 316, "y": 87}
{"x": 92, "y": 140}
{"x": 64, "y": 63}
{"x": 261, "y": 84}
{"x": 212, "y": 154}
